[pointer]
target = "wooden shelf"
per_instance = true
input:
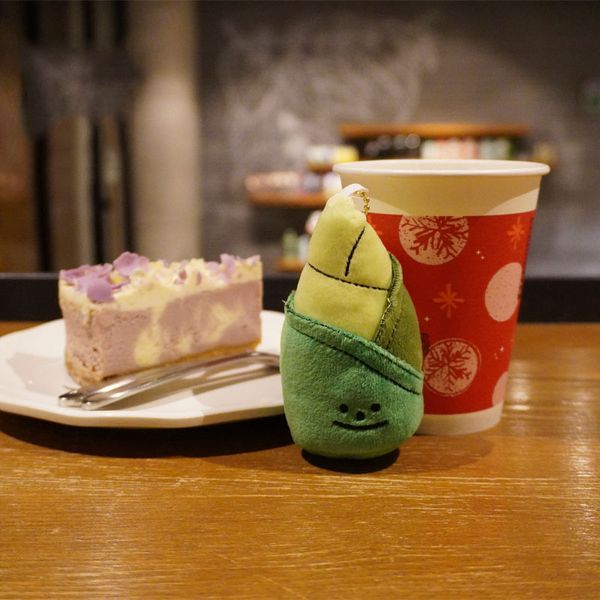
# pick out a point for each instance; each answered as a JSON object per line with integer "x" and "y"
{"x": 285, "y": 265}
{"x": 313, "y": 200}
{"x": 351, "y": 131}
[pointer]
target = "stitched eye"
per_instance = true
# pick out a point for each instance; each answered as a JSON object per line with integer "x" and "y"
{"x": 375, "y": 407}
{"x": 344, "y": 408}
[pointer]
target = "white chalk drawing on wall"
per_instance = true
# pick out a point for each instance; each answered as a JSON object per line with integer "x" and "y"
{"x": 288, "y": 88}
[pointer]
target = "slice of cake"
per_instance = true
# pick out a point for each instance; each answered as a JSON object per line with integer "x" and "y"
{"x": 134, "y": 313}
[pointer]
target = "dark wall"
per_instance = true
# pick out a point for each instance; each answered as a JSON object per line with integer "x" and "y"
{"x": 278, "y": 76}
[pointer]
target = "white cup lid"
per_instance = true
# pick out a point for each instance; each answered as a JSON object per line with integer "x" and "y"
{"x": 407, "y": 167}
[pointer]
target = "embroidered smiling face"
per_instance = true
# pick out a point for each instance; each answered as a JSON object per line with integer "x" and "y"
{"x": 361, "y": 418}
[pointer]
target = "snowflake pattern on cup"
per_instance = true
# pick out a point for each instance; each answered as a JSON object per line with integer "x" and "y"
{"x": 433, "y": 240}
{"x": 450, "y": 366}
{"x": 464, "y": 275}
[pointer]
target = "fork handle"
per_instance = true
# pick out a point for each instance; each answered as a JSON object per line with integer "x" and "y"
{"x": 98, "y": 396}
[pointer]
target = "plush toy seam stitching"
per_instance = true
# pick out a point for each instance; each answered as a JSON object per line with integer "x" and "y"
{"x": 351, "y": 255}
{"x": 406, "y": 389}
{"x": 371, "y": 287}
{"x": 398, "y": 318}
{"x": 396, "y": 282}
{"x": 379, "y": 335}
{"x": 408, "y": 368}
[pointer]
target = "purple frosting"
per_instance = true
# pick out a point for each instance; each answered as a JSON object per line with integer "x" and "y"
{"x": 128, "y": 262}
{"x": 74, "y": 275}
{"x": 213, "y": 266}
{"x": 97, "y": 289}
{"x": 229, "y": 265}
{"x": 225, "y": 269}
{"x": 94, "y": 280}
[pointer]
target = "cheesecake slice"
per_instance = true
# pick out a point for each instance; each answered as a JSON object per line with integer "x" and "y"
{"x": 136, "y": 313}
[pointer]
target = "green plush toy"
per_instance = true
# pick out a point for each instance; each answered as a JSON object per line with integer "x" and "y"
{"x": 350, "y": 349}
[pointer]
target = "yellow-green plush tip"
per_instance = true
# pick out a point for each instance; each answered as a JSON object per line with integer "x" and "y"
{"x": 348, "y": 273}
{"x": 343, "y": 206}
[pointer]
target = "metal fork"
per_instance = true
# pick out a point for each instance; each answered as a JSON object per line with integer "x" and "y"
{"x": 96, "y": 396}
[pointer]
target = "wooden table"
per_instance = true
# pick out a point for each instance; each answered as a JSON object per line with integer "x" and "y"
{"x": 237, "y": 511}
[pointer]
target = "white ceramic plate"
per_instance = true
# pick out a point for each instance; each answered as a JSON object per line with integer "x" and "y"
{"x": 32, "y": 375}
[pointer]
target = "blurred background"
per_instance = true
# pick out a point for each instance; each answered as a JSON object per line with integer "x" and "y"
{"x": 181, "y": 129}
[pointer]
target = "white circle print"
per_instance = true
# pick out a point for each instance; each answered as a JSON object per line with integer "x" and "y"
{"x": 500, "y": 389}
{"x": 433, "y": 240}
{"x": 450, "y": 366}
{"x": 502, "y": 292}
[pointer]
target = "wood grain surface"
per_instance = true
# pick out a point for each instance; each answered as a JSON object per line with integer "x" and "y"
{"x": 237, "y": 511}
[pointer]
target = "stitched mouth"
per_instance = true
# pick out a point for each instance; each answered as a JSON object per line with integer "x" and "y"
{"x": 361, "y": 427}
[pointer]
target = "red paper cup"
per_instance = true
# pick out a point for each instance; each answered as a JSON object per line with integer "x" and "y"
{"x": 460, "y": 229}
